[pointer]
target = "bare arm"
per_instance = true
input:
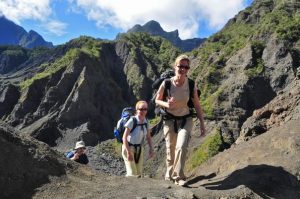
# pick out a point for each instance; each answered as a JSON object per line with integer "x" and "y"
{"x": 149, "y": 140}
{"x": 159, "y": 98}
{"x": 125, "y": 143}
{"x": 199, "y": 112}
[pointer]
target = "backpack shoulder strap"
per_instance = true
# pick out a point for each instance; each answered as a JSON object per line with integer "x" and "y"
{"x": 167, "y": 88}
{"x": 134, "y": 124}
{"x": 146, "y": 124}
{"x": 191, "y": 87}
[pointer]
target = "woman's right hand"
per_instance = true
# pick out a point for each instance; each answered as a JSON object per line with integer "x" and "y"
{"x": 75, "y": 157}
{"x": 171, "y": 102}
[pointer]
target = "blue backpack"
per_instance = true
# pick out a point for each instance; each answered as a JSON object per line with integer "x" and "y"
{"x": 69, "y": 154}
{"x": 127, "y": 113}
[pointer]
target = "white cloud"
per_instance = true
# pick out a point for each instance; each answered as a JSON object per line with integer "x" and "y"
{"x": 56, "y": 27}
{"x": 184, "y": 15}
{"x": 17, "y": 10}
{"x": 218, "y": 12}
{"x": 39, "y": 10}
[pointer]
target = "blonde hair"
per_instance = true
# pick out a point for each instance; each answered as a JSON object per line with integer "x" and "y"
{"x": 180, "y": 58}
{"x": 139, "y": 103}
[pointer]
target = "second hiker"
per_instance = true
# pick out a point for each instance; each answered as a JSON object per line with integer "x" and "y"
{"x": 136, "y": 131}
{"x": 173, "y": 96}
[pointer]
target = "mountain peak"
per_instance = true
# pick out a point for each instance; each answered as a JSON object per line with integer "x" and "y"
{"x": 13, "y": 34}
{"x": 154, "y": 25}
{"x": 154, "y": 28}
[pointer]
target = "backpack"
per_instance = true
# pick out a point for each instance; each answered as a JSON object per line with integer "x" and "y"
{"x": 127, "y": 113}
{"x": 69, "y": 154}
{"x": 165, "y": 75}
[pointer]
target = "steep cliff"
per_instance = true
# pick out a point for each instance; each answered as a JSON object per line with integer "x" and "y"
{"x": 245, "y": 65}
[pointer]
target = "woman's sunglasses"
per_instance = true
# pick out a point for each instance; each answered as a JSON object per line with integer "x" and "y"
{"x": 143, "y": 109}
{"x": 183, "y": 67}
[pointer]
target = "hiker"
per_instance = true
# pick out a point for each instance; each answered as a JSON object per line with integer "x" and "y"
{"x": 132, "y": 148}
{"x": 178, "y": 121}
{"x": 78, "y": 155}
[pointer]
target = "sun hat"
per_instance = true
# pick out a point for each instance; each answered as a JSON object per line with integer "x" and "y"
{"x": 79, "y": 144}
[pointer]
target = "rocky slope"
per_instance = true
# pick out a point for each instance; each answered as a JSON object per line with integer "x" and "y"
{"x": 27, "y": 164}
{"x": 270, "y": 170}
{"x": 248, "y": 63}
{"x": 283, "y": 108}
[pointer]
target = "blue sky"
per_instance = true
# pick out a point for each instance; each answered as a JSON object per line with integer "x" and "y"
{"x": 59, "y": 21}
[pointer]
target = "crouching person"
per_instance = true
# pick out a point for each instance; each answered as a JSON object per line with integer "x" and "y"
{"x": 78, "y": 155}
{"x": 136, "y": 131}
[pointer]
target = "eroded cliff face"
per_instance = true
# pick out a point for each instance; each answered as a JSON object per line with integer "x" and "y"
{"x": 242, "y": 94}
{"x": 74, "y": 102}
{"x": 283, "y": 108}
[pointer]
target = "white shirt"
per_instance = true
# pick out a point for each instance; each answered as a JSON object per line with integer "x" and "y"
{"x": 137, "y": 136}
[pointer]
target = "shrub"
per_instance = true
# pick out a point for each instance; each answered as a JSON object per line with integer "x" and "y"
{"x": 211, "y": 146}
{"x": 50, "y": 69}
{"x": 256, "y": 70}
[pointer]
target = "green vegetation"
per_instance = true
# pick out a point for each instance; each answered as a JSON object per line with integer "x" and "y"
{"x": 17, "y": 55}
{"x": 39, "y": 51}
{"x": 111, "y": 147}
{"x": 12, "y": 48}
{"x": 154, "y": 49}
{"x": 149, "y": 57}
{"x": 255, "y": 71}
{"x": 154, "y": 121}
{"x": 289, "y": 31}
{"x": 258, "y": 65}
{"x": 211, "y": 146}
{"x": 86, "y": 45}
{"x": 210, "y": 102}
{"x": 50, "y": 69}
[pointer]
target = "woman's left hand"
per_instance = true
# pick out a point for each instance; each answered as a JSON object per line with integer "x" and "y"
{"x": 202, "y": 130}
{"x": 151, "y": 154}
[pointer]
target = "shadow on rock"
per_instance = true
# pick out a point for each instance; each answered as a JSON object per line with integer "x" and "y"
{"x": 265, "y": 180}
{"x": 199, "y": 178}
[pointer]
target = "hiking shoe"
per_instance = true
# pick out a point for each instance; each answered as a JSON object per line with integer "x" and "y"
{"x": 181, "y": 182}
{"x": 169, "y": 179}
